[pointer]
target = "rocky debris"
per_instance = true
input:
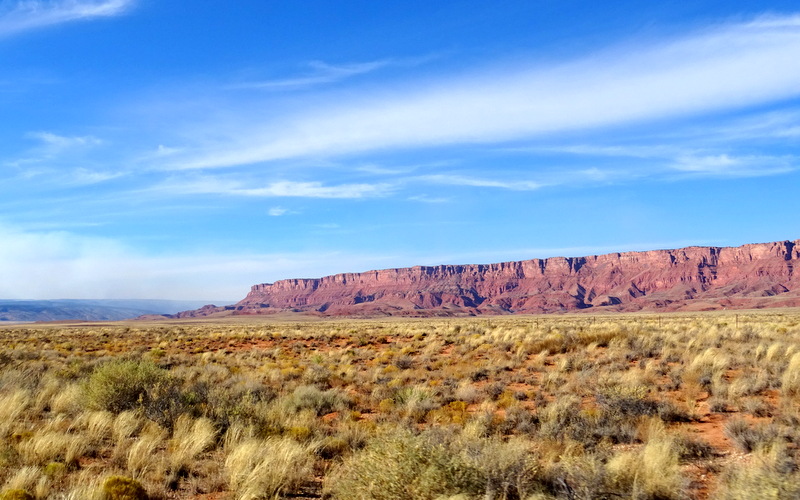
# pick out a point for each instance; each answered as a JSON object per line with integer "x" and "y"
{"x": 692, "y": 278}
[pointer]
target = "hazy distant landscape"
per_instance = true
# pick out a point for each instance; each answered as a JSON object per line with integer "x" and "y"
{"x": 90, "y": 310}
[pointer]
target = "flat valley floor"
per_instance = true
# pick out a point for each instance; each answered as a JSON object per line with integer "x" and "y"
{"x": 515, "y": 407}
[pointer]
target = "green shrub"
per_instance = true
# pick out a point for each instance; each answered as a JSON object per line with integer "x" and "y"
{"x": 562, "y": 418}
{"x": 118, "y": 386}
{"x": 399, "y": 467}
{"x": 235, "y": 399}
{"x": 627, "y": 401}
{"x": 435, "y": 465}
{"x": 308, "y": 397}
{"x": 16, "y": 495}
{"x": 123, "y": 488}
{"x": 55, "y": 469}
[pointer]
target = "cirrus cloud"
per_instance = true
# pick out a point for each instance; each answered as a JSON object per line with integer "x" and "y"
{"x": 288, "y": 189}
{"x": 727, "y": 67}
{"x": 20, "y": 16}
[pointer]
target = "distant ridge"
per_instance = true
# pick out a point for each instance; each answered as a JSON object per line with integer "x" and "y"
{"x": 28, "y": 311}
{"x": 686, "y": 279}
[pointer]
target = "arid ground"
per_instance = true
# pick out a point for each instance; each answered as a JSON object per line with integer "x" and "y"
{"x": 526, "y": 407}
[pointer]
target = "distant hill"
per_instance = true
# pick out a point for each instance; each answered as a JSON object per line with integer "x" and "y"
{"x": 88, "y": 310}
{"x": 686, "y": 279}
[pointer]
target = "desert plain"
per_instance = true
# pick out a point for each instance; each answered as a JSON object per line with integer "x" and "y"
{"x": 579, "y": 406}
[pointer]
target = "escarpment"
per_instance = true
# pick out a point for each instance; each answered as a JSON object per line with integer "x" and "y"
{"x": 692, "y": 278}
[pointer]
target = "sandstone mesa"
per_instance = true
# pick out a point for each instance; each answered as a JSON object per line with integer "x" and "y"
{"x": 686, "y": 279}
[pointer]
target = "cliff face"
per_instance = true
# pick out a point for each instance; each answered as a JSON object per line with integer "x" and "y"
{"x": 693, "y": 278}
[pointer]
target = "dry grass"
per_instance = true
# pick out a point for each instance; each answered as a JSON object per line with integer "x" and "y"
{"x": 636, "y": 406}
{"x": 265, "y": 469}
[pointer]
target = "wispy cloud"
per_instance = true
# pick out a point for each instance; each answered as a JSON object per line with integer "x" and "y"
{"x": 321, "y": 73}
{"x": 230, "y": 187}
{"x": 59, "y": 158}
{"x": 724, "y": 165}
{"x": 318, "y": 190}
{"x": 24, "y": 15}
{"x": 55, "y": 141}
{"x": 754, "y": 144}
{"x": 30, "y": 170}
{"x": 402, "y": 169}
{"x": 460, "y": 180}
{"x": 49, "y": 145}
{"x": 784, "y": 124}
{"x": 422, "y": 198}
{"x": 725, "y": 68}
{"x": 277, "y": 211}
{"x": 628, "y": 151}
{"x": 84, "y": 176}
{"x": 664, "y": 160}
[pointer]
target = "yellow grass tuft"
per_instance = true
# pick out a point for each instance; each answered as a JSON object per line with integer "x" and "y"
{"x": 267, "y": 469}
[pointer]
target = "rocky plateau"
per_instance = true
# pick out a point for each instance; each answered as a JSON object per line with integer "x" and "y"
{"x": 686, "y": 279}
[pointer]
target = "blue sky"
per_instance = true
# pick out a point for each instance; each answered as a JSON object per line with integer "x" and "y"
{"x": 165, "y": 149}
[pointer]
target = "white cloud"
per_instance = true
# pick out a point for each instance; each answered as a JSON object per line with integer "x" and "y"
{"x": 59, "y": 142}
{"x": 377, "y": 169}
{"x": 61, "y": 177}
{"x": 321, "y": 73}
{"x": 381, "y": 170}
{"x": 724, "y": 165}
{"x": 277, "y": 211}
{"x": 460, "y": 180}
{"x": 784, "y": 124}
{"x": 324, "y": 73}
{"x": 53, "y": 145}
{"x": 25, "y": 15}
{"x": 318, "y": 190}
{"x": 83, "y": 176}
{"x": 637, "y": 151}
{"x": 422, "y": 198}
{"x": 728, "y": 67}
{"x": 663, "y": 160}
{"x": 165, "y": 151}
{"x": 53, "y": 160}
{"x": 232, "y": 187}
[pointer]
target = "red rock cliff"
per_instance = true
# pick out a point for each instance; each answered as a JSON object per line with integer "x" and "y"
{"x": 693, "y": 278}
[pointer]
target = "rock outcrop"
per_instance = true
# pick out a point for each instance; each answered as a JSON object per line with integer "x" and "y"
{"x": 693, "y": 278}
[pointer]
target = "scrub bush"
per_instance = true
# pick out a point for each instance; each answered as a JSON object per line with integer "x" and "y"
{"x": 123, "y": 488}
{"x": 119, "y": 386}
